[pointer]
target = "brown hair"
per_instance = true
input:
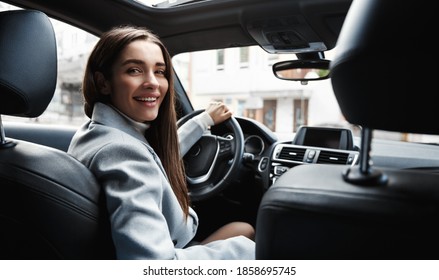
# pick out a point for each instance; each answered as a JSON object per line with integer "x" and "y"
{"x": 162, "y": 134}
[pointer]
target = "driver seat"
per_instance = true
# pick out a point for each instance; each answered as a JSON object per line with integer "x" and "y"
{"x": 51, "y": 205}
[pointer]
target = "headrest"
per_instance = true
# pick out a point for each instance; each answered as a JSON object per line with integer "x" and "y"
{"x": 28, "y": 63}
{"x": 384, "y": 69}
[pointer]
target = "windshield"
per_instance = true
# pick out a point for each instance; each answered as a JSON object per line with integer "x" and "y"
{"x": 243, "y": 79}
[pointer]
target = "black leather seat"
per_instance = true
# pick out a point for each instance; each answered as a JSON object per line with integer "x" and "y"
{"x": 51, "y": 205}
{"x": 366, "y": 212}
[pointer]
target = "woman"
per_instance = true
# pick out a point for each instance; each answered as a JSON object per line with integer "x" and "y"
{"x": 131, "y": 145}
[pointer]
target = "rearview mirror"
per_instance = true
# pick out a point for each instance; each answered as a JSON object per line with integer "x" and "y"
{"x": 302, "y": 70}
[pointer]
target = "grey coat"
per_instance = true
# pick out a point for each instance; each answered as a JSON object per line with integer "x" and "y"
{"x": 147, "y": 221}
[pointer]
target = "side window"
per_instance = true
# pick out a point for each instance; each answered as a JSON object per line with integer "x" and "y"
{"x": 73, "y": 46}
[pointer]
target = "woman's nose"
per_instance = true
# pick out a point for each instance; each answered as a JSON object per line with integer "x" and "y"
{"x": 150, "y": 80}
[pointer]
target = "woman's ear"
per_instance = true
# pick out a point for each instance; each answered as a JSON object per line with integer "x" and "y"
{"x": 102, "y": 84}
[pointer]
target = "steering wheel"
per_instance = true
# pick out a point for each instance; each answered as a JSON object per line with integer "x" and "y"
{"x": 213, "y": 161}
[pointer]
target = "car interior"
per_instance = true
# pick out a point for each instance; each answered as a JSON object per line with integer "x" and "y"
{"x": 324, "y": 193}
{"x": 363, "y": 211}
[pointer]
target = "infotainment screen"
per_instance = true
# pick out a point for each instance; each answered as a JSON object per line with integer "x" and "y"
{"x": 324, "y": 137}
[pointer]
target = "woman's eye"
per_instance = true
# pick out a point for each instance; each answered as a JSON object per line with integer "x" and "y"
{"x": 134, "y": 70}
{"x": 161, "y": 72}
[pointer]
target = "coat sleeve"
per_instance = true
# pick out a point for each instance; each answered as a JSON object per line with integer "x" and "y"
{"x": 192, "y": 130}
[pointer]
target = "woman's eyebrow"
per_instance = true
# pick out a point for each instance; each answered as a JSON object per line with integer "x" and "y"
{"x": 133, "y": 60}
{"x": 139, "y": 61}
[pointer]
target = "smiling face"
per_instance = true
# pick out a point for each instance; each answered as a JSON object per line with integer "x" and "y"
{"x": 138, "y": 84}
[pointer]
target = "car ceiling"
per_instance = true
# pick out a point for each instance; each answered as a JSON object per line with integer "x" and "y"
{"x": 208, "y": 24}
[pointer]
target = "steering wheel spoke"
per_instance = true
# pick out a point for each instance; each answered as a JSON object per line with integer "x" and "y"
{"x": 226, "y": 147}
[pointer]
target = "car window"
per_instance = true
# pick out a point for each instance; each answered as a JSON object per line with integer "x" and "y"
{"x": 243, "y": 79}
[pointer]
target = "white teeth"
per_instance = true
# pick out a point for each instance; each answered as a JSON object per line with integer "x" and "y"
{"x": 146, "y": 99}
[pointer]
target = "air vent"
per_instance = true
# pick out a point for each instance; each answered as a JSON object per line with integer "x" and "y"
{"x": 332, "y": 157}
{"x": 291, "y": 153}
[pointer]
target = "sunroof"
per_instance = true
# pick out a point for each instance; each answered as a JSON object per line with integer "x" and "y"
{"x": 166, "y": 3}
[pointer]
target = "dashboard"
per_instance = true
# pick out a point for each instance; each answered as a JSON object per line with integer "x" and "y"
{"x": 314, "y": 145}
{"x": 269, "y": 158}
